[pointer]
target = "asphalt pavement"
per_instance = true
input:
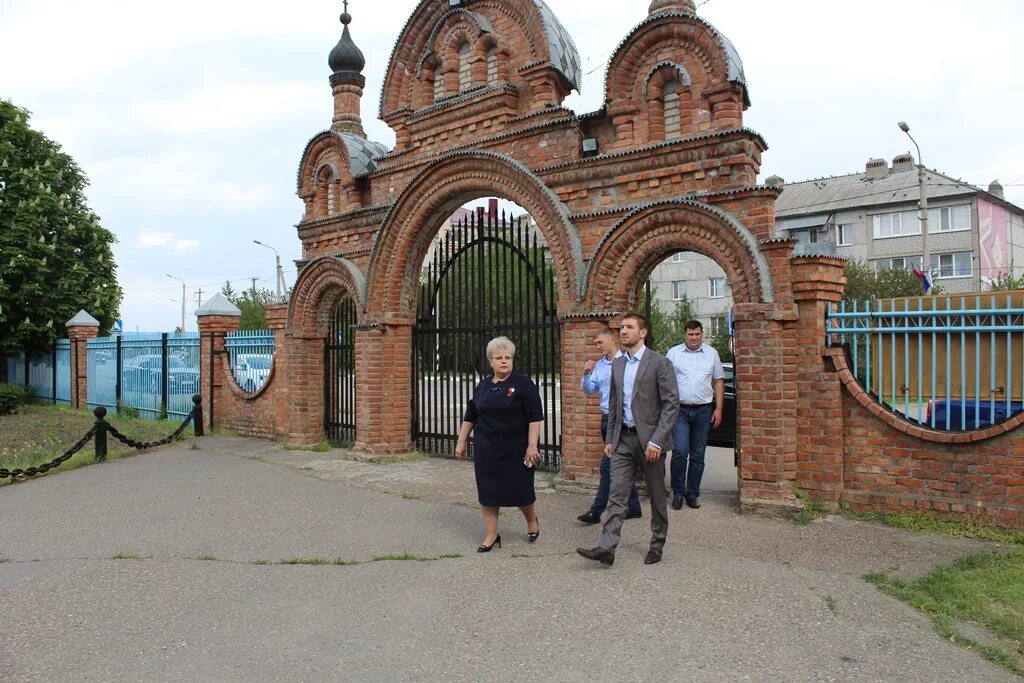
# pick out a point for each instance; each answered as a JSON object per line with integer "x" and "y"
{"x": 170, "y": 565}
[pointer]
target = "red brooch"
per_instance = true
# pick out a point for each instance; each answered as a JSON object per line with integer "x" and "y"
{"x": 511, "y": 392}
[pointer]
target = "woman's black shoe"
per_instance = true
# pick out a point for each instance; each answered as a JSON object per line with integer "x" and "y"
{"x": 532, "y": 536}
{"x": 487, "y": 548}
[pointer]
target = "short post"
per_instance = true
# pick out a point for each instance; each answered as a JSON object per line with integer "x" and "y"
{"x": 101, "y": 433}
{"x": 197, "y": 415}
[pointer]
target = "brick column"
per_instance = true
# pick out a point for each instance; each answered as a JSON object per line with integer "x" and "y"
{"x": 80, "y": 329}
{"x": 216, "y": 318}
{"x": 817, "y": 281}
{"x": 581, "y": 414}
{"x": 302, "y": 361}
{"x": 384, "y": 388}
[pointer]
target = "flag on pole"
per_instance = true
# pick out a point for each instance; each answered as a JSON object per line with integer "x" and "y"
{"x": 925, "y": 278}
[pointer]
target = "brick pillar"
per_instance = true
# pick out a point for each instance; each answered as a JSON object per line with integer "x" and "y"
{"x": 302, "y": 394}
{"x": 216, "y": 318}
{"x": 817, "y": 281}
{"x": 581, "y": 414}
{"x": 384, "y": 357}
{"x": 766, "y": 395}
{"x": 80, "y": 329}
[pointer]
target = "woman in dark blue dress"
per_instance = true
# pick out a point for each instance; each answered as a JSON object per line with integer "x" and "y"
{"x": 506, "y": 415}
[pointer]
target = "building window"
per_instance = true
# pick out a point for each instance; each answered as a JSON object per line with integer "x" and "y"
{"x": 465, "y": 71}
{"x": 949, "y": 218}
{"x": 679, "y": 289}
{"x": 716, "y": 287}
{"x": 896, "y": 224}
{"x": 812, "y": 236}
{"x": 952, "y": 265}
{"x": 717, "y": 325}
{"x": 844, "y": 234}
{"x": 673, "y": 112}
{"x": 679, "y": 257}
{"x": 898, "y": 263}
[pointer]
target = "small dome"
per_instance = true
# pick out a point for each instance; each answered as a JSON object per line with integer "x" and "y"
{"x": 346, "y": 57}
{"x": 672, "y": 6}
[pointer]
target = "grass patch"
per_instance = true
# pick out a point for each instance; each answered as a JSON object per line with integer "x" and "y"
{"x": 403, "y": 557}
{"x": 259, "y": 562}
{"x": 344, "y": 562}
{"x": 207, "y": 558}
{"x": 450, "y": 556}
{"x": 38, "y": 434}
{"x": 830, "y": 602}
{"x": 321, "y": 447}
{"x": 968, "y": 528}
{"x": 124, "y": 556}
{"x": 304, "y": 560}
{"x": 986, "y": 589}
{"x": 812, "y": 509}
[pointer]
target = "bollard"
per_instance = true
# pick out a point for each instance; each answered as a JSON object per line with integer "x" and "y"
{"x": 197, "y": 415}
{"x": 101, "y": 433}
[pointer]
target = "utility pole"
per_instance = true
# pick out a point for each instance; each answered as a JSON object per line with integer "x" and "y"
{"x": 254, "y": 290}
{"x": 182, "y": 300}
{"x": 199, "y": 298}
{"x": 280, "y": 271}
{"x": 926, "y": 259}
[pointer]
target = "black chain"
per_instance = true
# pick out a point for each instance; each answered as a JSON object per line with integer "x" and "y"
{"x": 40, "y": 469}
{"x": 150, "y": 444}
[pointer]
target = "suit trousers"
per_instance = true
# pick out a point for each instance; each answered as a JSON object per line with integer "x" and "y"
{"x": 628, "y": 459}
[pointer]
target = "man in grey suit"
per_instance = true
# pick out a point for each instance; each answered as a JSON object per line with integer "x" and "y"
{"x": 642, "y": 406}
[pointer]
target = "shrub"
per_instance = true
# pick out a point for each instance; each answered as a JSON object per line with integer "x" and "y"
{"x": 127, "y": 411}
{"x": 11, "y": 396}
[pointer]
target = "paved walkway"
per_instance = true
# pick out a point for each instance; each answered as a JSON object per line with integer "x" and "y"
{"x": 736, "y": 598}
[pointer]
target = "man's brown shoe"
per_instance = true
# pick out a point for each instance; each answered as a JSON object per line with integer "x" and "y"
{"x": 597, "y": 554}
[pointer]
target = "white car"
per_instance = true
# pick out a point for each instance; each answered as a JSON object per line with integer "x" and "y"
{"x": 251, "y": 370}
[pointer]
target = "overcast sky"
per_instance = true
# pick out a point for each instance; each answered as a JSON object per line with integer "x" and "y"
{"x": 189, "y": 117}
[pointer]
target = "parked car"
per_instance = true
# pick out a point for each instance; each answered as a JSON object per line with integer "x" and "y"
{"x": 725, "y": 434}
{"x": 961, "y": 413}
{"x": 144, "y": 373}
{"x": 251, "y": 370}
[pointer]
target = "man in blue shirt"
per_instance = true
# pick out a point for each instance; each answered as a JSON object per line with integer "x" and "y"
{"x": 701, "y": 383}
{"x": 597, "y": 378}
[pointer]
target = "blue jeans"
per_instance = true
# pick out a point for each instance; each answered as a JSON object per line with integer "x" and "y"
{"x": 601, "y": 499}
{"x": 689, "y": 441}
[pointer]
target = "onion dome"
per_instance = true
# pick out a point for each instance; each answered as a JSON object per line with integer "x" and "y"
{"x": 346, "y": 58}
{"x": 672, "y": 6}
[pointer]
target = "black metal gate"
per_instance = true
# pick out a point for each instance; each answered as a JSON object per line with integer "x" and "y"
{"x": 340, "y": 376}
{"x": 486, "y": 276}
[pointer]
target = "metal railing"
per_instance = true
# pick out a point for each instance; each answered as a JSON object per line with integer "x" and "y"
{"x": 46, "y": 376}
{"x": 250, "y": 357}
{"x": 949, "y": 362}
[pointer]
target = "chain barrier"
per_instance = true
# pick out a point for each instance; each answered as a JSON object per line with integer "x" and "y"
{"x": 100, "y": 430}
{"x": 56, "y": 462}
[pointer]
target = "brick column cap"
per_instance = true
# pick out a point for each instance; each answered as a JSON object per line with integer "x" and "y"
{"x": 83, "y": 319}
{"x": 218, "y": 305}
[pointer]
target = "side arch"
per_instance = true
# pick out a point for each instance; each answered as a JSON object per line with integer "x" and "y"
{"x": 320, "y": 287}
{"x": 631, "y": 248}
{"x": 433, "y": 195}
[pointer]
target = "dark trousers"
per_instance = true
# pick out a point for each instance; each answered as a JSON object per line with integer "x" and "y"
{"x": 628, "y": 460}
{"x": 597, "y": 508}
{"x": 690, "y": 441}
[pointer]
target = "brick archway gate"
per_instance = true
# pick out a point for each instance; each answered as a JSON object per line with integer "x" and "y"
{"x": 473, "y": 94}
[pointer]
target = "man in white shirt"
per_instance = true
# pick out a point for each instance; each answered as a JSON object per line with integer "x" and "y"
{"x": 701, "y": 383}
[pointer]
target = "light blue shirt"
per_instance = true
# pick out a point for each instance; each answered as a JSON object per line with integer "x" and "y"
{"x": 628, "y": 377}
{"x": 696, "y": 373}
{"x": 600, "y": 380}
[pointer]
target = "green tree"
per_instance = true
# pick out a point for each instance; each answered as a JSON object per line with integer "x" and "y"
{"x": 667, "y": 329}
{"x": 56, "y": 257}
{"x": 863, "y": 283}
{"x": 252, "y": 303}
{"x": 1007, "y": 281}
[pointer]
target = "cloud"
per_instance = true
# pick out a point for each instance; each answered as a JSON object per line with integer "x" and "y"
{"x": 149, "y": 240}
{"x": 185, "y": 245}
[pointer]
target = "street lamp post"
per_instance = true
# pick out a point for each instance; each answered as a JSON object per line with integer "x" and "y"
{"x": 182, "y": 300}
{"x": 926, "y": 262}
{"x": 280, "y": 272}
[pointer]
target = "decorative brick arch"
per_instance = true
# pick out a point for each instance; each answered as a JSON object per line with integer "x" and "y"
{"x": 433, "y": 195}
{"x": 324, "y": 282}
{"x": 636, "y": 243}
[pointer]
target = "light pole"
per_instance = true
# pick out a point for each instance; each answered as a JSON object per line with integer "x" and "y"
{"x": 280, "y": 273}
{"x": 926, "y": 260}
{"x": 182, "y": 300}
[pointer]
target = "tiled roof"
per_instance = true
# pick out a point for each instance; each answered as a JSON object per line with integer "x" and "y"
{"x": 856, "y": 190}
{"x": 564, "y": 56}
{"x": 362, "y": 154}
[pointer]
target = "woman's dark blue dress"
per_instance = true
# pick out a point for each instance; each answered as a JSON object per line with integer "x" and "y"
{"x": 502, "y": 413}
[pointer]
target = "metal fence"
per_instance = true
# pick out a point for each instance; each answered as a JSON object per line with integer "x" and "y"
{"x": 46, "y": 376}
{"x": 951, "y": 363}
{"x": 156, "y": 375}
{"x": 250, "y": 357}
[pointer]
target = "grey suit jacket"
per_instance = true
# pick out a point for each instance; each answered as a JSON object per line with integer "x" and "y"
{"x": 655, "y": 400}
